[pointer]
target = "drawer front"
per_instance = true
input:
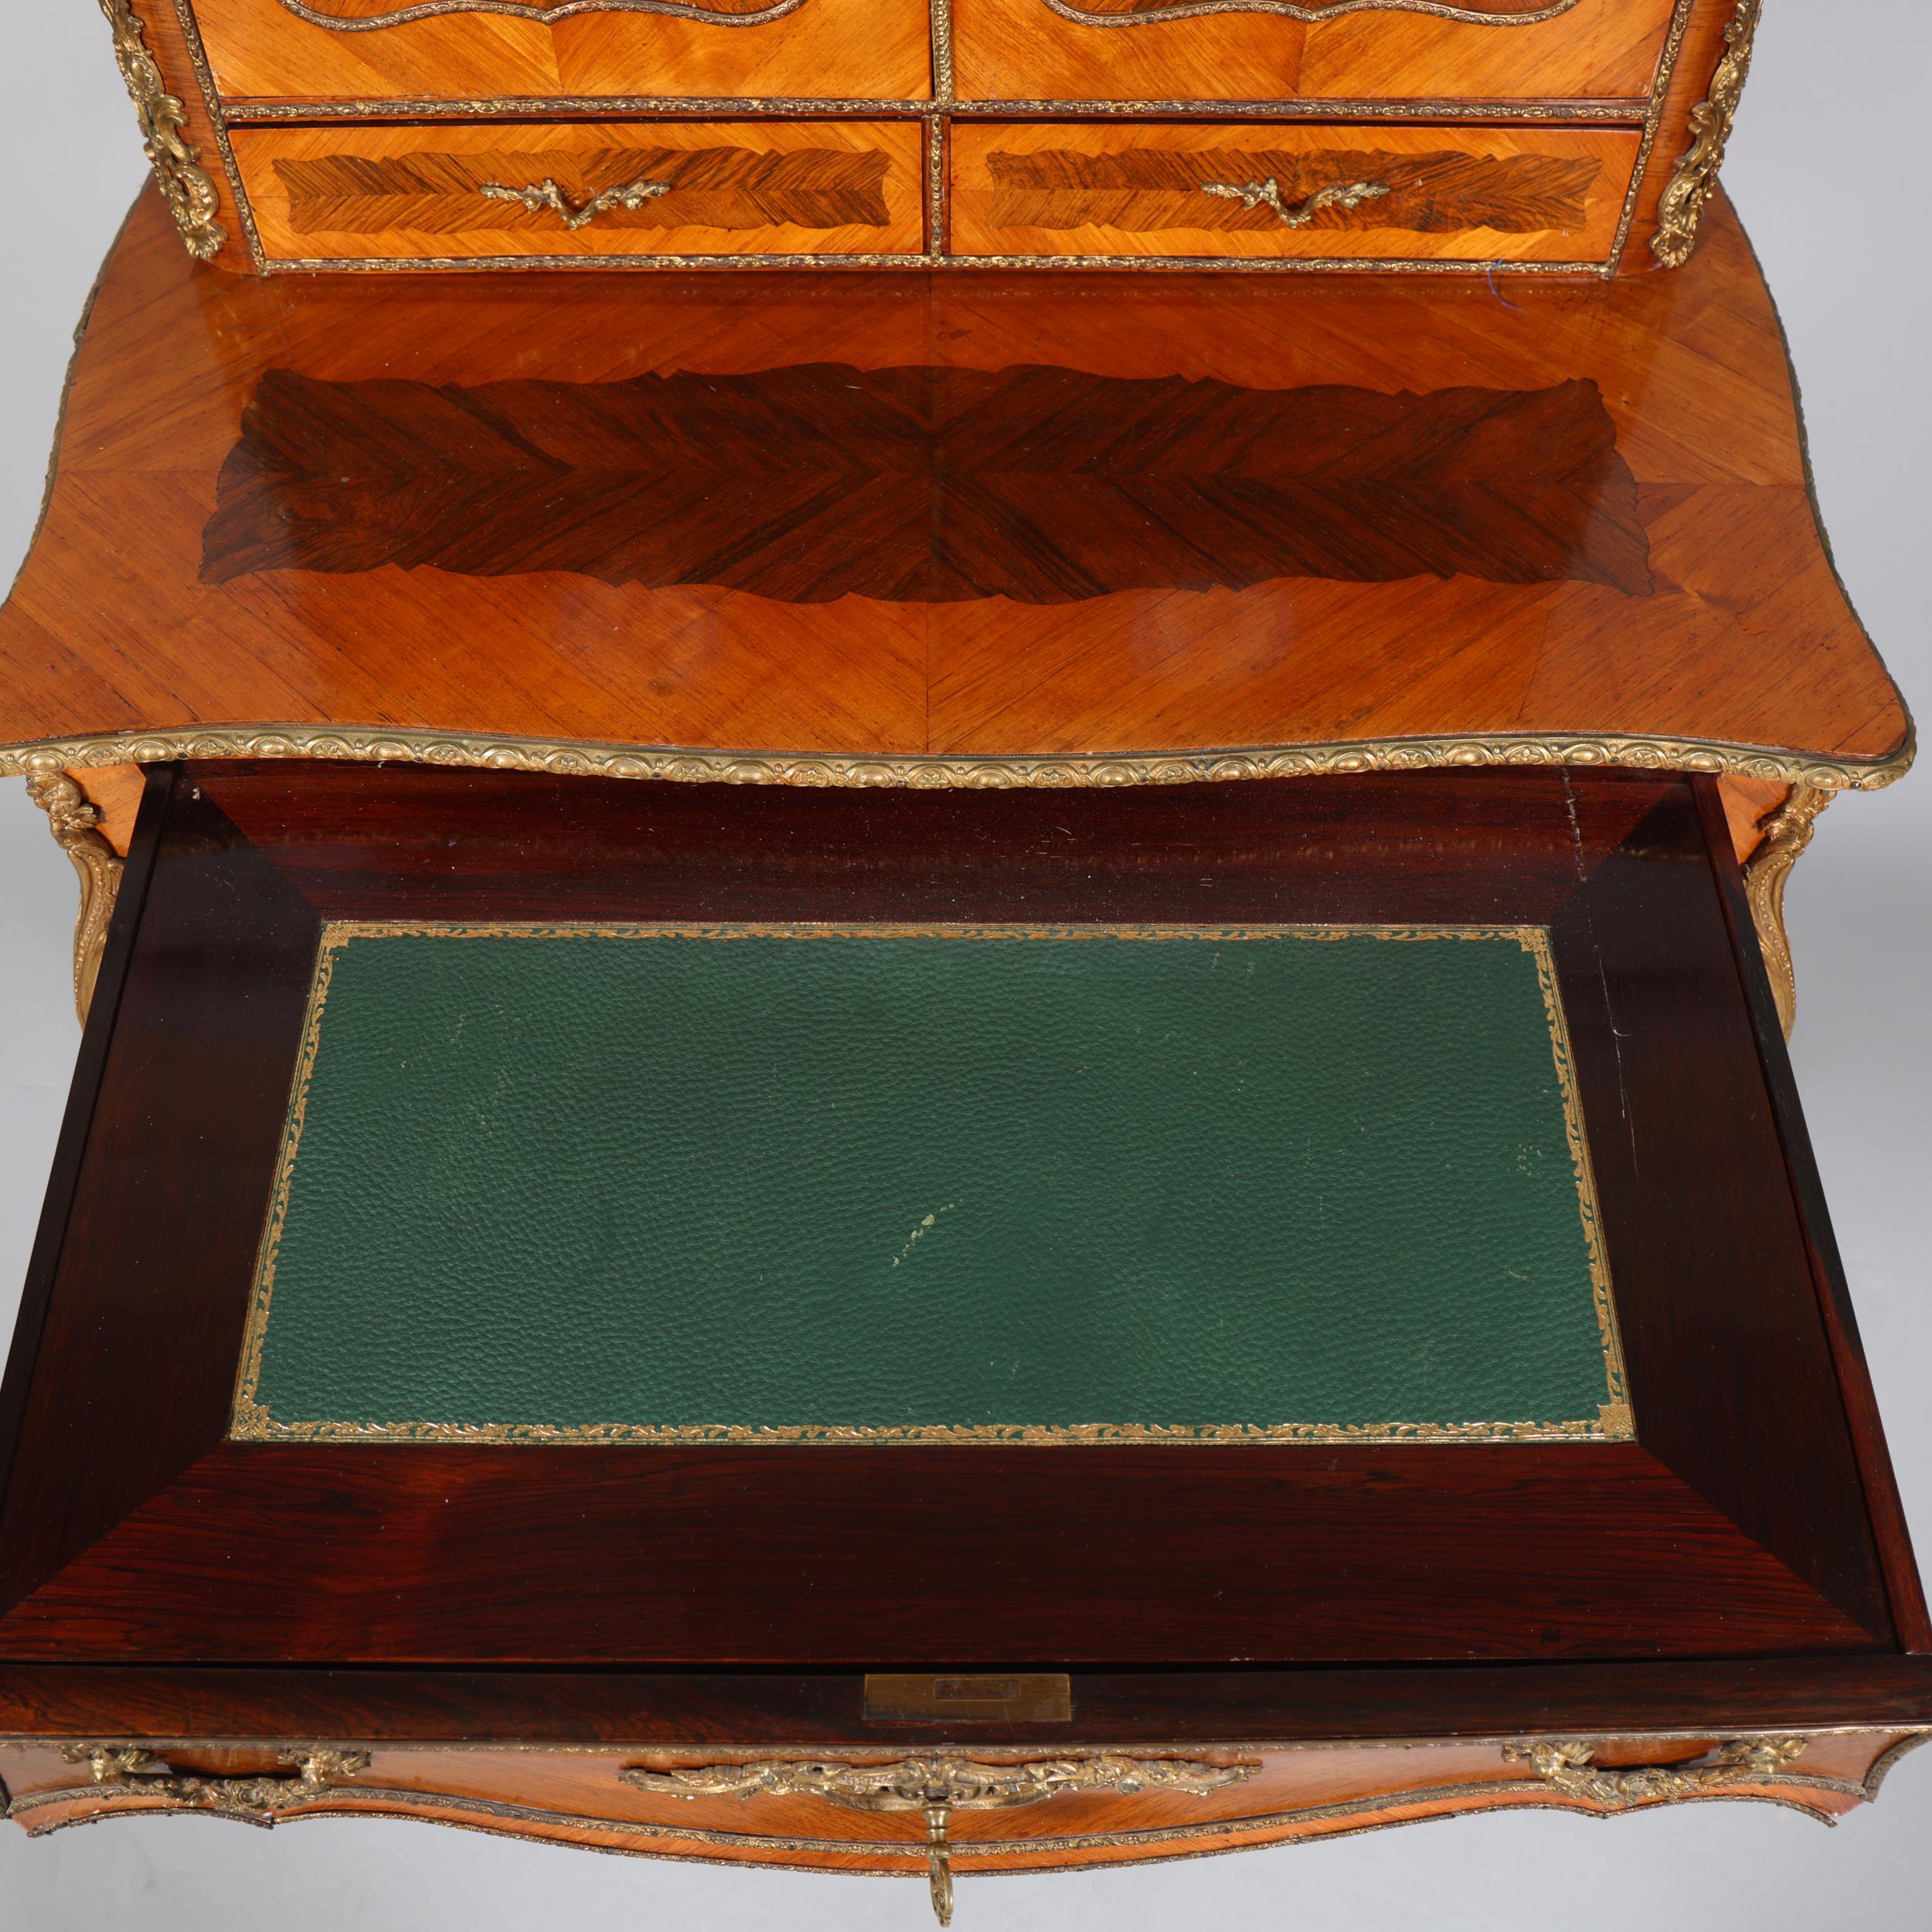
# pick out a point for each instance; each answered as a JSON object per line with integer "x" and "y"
{"x": 589, "y": 190}
{"x": 1081, "y": 1806}
{"x": 568, "y": 49}
{"x": 1274, "y": 193}
{"x": 1171, "y": 50}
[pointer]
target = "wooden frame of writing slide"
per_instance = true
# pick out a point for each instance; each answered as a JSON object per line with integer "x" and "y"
{"x": 1750, "y": 1515}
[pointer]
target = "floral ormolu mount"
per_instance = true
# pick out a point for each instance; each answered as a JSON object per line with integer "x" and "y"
{"x": 936, "y": 1787}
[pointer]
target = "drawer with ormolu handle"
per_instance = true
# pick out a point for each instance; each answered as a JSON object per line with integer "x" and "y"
{"x": 586, "y": 190}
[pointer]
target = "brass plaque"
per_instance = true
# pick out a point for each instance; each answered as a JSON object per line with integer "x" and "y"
{"x": 1039, "y": 1697}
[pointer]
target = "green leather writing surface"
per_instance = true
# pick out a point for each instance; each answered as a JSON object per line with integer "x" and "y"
{"x": 942, "y": 1183}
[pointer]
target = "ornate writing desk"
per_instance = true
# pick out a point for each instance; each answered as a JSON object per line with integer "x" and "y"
{"x": 923, "y": 1072}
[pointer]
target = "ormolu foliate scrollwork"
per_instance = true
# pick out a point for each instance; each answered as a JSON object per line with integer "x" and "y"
{"x": 132, "y": 1771}
{"x": 1681, "y": 204}
{"x": 545, "y": 194}
{"x": 937, "y": 1786}
{"x": 961, "y": 1784}
{"x": 1786, "y": 832}
{"x": 1268, "y": 194}
{"x": 191, "y": 193}
{"x": 76, "y": 825}
{"x": 1570, "y": 1765}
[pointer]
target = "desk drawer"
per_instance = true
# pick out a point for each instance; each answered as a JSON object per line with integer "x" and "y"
{"x": 596, "y": 190}
{"x": 1263, "y": 50}
{"x": 1264, "y": 193}
{"x": 405, "y": 50}
{"x": 1414, "y": 1143}
{"x": 1062, "y": 1805}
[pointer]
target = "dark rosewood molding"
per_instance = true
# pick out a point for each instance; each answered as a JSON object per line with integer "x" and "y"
{"x": 928, "y": 485}
{"x": 759, "y": 1711}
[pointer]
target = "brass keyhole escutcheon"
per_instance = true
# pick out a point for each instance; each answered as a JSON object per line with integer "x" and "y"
{"x": 939, "y": 1862}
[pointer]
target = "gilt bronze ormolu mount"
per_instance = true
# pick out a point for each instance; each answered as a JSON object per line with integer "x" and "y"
{"x": 936, "y": 1787}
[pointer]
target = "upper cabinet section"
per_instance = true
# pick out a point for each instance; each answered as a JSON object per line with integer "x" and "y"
{"x": 553, "y": 50}
{"x": 1311, "y": 50}
{"x": 1647, "y": 88}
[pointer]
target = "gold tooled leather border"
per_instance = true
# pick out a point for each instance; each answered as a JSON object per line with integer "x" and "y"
{"x": 382, "y": 744}
{"x": 251, "y": 1420}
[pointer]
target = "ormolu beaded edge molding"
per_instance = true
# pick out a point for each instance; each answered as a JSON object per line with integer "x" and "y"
{"x": 1117, "y": 264}
{"x": 1613, "y": 110}
{"x": 988, "y": 771}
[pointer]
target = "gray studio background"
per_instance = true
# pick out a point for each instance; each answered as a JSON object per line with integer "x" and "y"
{"x": 1827, "y": 168}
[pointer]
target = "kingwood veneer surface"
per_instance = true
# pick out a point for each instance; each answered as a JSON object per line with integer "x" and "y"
{"x": 896, "y": 518}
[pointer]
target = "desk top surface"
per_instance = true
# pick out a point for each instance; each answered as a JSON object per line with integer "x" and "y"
{"x": 948, "y": 529}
